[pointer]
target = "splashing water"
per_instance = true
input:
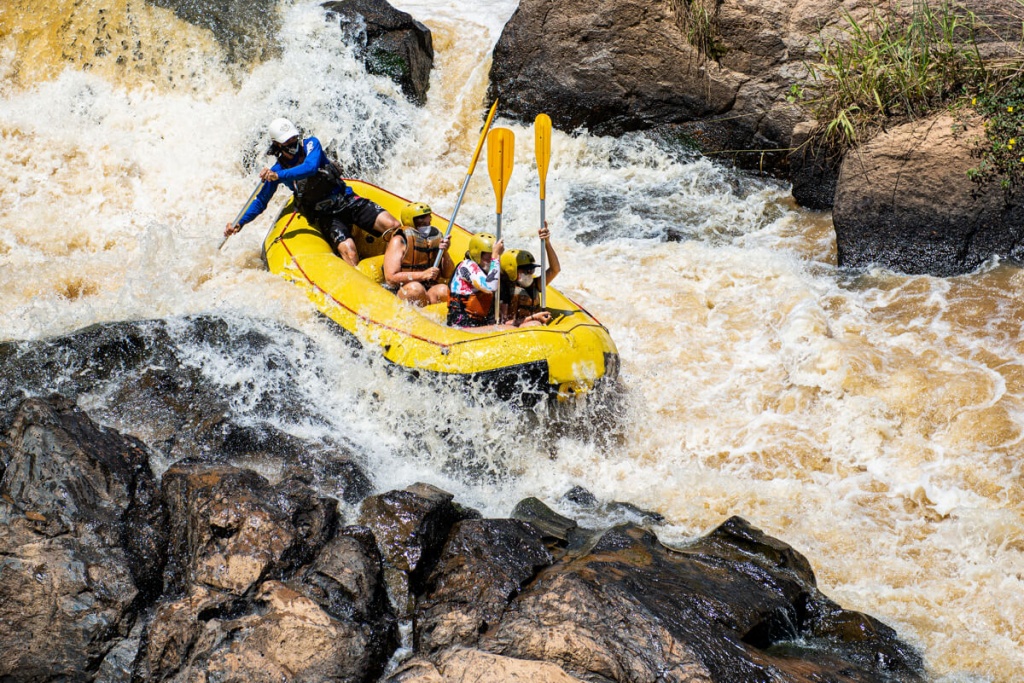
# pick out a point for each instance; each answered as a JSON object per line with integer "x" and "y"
{"x": 874, "y": 421}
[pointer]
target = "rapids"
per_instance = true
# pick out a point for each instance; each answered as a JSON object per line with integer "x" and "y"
{"x": 872, "y": 420}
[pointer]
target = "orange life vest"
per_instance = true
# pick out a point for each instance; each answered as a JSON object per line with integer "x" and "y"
{"x": 478, "y": 304}
{"x": 420, "y": 252}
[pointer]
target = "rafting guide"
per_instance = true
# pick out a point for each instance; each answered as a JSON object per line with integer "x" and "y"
{"x": 321, "y": 196}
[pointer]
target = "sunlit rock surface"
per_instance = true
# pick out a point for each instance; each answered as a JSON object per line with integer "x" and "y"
{"x": 904, "y": 202}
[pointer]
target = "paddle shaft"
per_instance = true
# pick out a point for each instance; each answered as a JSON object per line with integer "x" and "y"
{"x": 543, "y": 262}
{"x": 497, "y": 294}
{"x": 469, "y": 174}
{"x": 241, "y": 213}
{"x": 542, "y": 147}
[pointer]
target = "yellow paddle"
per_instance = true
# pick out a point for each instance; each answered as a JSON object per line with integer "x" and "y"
{"x": 469, "y": 174}
{"x": 241, "y": 213}
{"x": 542, "y": 138}
{"x": 500, "y": 153}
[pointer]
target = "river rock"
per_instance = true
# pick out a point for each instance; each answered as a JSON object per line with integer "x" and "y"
{"x": 904, "y": 202}
{"x": 484, "y": 565}
{"x": 736, "y": 605}
{"x": 229, "y": 528}
{"x": 246, "y": 28}
{"x": 459, "y": 665}
{"x": 142, "y": 378}
{"x": 392, "y": 43}
{"x": 411, "y": 527}
{"x": 82, "y": 541}
{"x": 615, "y": 65}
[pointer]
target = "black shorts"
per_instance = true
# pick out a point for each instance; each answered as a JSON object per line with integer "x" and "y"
{"x": 336, "y": 225}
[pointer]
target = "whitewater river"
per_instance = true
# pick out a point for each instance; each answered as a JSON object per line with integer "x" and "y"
{"x": 873, "y": 421}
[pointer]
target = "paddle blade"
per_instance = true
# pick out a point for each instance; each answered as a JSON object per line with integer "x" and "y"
{"x": 542, "y": 138}
{"x": 500, "y": 157}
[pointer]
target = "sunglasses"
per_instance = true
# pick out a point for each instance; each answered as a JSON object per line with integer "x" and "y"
{"x": 291, "y": 147}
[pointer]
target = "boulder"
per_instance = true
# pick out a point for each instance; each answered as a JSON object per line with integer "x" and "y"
{"x": 904, "y": 202}
{"x": 459, "y": 665}
{"x": 410, "y": 527}
{"x": 246, "y": 28}
{"x": 230, "y": 529}
{"x": 82, "y": 541}
{"x": 154, "y": 392}
{"x": 255, "y": 616}
{"x": 612, "y": 66}
{"x": 391, "y": 43}
{"x": 484, "y": 565}
{"x": 279, "y": 634}
{"x": 618, "y": 605}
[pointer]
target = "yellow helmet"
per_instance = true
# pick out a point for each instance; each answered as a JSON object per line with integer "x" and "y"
{"x": 480, "y": 243}
{"x": 514, "y": 260}
{"x": 414, "y": 210}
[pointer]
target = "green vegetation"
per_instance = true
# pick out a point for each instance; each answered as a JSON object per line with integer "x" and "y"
{"x": 1002, "y": 153}
{"x": 700, "y": 28}
{"x": 897, "y": 66}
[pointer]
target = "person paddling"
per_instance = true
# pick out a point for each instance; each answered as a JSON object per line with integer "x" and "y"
{"x": 321, "y": 196}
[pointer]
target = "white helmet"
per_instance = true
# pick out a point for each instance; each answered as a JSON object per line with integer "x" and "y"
{"x": 282, "y": 130}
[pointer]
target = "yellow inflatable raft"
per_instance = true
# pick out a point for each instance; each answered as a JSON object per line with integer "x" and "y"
{"x": 567, "y": 356}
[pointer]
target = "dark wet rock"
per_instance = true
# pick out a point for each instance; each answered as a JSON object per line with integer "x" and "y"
{"x": 82, "y": 538}
{"x": 347, "y": 577}
{"x": 246, "y": 28}
{"x": 737, "y": 605}
{"x": 578, "y": 495}
{"x": 904, "y": 202}
{"x": 410, "y": 527}
{"x": 142, "y": 379}
{"x": 484, "y": 565}
{"x": 393, "y": 43}
{"x": 231, "y": 529}
{"x": 544, "y": 519}
{"x": 813, "y": 170}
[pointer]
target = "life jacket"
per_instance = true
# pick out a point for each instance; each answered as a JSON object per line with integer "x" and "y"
{"x": 420, "y": 252}
{"x": 479, "y": 306}
{"x": 312, "y": 193}
{"x": 526, "y": 300}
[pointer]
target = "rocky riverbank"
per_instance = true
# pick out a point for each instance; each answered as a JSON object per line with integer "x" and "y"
{"x": 719, "y": 75}
{"x": 114, "y": 570}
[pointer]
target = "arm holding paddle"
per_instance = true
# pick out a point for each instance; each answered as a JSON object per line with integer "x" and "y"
{"x": 255, "y": 205}
{"x": 553, "y": 268}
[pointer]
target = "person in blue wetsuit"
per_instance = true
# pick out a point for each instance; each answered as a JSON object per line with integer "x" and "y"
{"x": 321, "y": 196}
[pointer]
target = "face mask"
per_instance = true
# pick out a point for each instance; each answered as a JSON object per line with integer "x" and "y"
{"x": 524, "y": 279}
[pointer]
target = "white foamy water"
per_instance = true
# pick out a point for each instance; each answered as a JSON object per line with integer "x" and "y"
{"x": 873, "y": 422}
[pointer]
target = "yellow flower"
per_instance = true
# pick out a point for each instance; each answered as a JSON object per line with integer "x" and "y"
{"x": 974, "y": 101}
{"x": 1009, "y": 110}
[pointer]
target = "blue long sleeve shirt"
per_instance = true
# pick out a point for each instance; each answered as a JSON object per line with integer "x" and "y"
{"x": 315, "y": 160}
